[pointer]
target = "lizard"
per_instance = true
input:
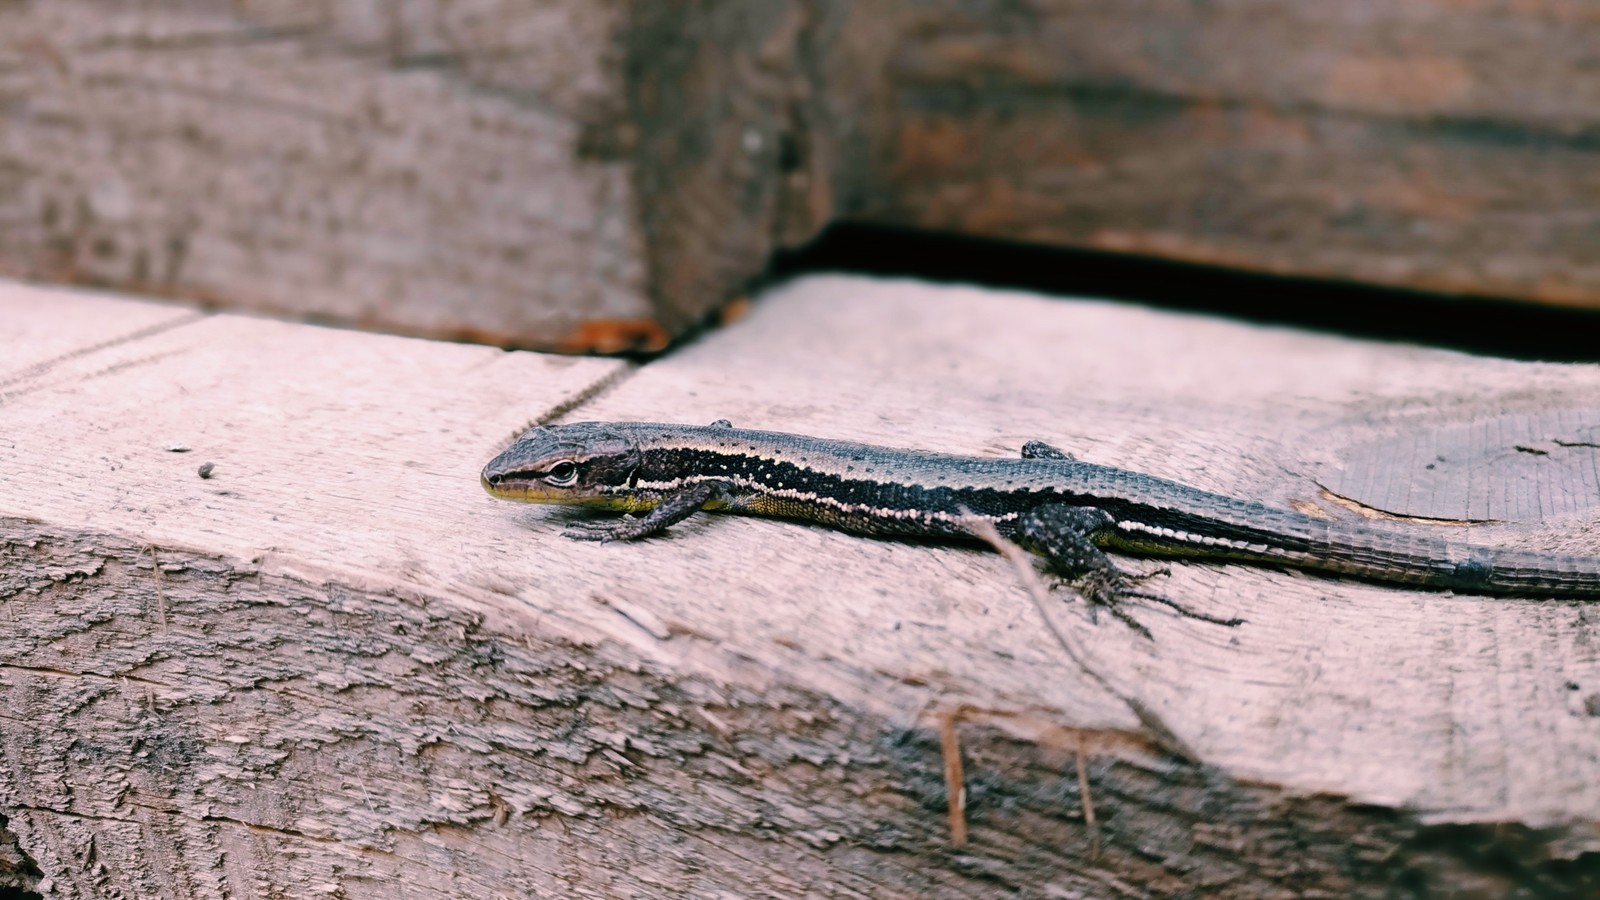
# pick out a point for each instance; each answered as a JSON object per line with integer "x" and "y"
{"x": 1068, "y": 511}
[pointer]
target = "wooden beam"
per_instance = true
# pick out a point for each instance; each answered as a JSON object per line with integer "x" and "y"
{"x": 337, "y": 665}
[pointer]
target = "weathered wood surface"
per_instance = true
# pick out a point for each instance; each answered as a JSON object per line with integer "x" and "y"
{"x": 336, "y": 666}
{"x": 586, "y": 175}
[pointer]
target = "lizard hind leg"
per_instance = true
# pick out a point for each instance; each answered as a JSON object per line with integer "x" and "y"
{"x": 1065, "y": 536}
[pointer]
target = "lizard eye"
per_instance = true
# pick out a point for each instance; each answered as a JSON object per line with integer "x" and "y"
{"x": 562, "y": 473}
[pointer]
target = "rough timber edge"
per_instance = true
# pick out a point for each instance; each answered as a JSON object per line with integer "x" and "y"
{"x": 1024, "y": 809}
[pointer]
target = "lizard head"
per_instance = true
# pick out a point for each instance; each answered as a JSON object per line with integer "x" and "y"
{"x": 581, "y": 464}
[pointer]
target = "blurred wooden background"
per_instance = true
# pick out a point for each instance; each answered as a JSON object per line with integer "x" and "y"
{"x": 600, "y": 175}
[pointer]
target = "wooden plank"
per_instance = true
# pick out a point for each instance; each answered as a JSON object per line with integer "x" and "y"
{"x": 418, "y": 170}
{"x": 337, "y": 665}
{"x": 1443, "y": 146}
{"x": 573, "y": 175}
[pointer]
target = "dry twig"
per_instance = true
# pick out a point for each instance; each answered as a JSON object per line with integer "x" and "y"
{"x": 1039, "y": 593}
{"x": 955, "y": 781}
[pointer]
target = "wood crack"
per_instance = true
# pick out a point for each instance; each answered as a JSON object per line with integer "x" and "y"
{"x": 38, "y": 369}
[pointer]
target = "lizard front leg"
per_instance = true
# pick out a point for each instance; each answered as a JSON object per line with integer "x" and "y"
{"x": 1065, "y": 536}
{"x": 672, "y": 509}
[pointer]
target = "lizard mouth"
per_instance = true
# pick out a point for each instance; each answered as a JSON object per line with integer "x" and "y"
{"x": 536, "y": 491}
{"x": 526, "y": 491}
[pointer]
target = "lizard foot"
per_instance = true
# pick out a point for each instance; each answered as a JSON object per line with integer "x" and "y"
{"x": 1065, "y": 536}
{"x": 1108, "y": 588}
